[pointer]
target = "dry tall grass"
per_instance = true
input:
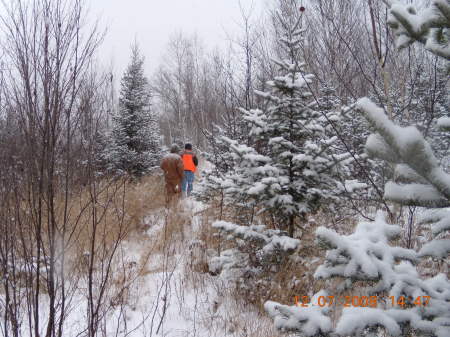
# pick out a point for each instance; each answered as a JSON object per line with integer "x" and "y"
{"x": 121, "y": 207}
{"x": 115, "y": 213}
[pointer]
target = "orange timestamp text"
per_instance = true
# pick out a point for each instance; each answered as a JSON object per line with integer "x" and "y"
{"x": 362, "y": 301}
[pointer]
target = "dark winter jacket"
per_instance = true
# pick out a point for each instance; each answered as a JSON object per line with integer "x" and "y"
{"x": 173, "y": 168}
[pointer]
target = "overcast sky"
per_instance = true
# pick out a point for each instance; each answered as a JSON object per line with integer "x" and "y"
{"x": 153, "y": 21}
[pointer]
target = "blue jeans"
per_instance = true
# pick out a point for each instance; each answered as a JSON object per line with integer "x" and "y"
{"x": 187, "y": 184}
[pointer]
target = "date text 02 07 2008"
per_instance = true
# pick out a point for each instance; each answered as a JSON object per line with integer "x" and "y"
{"x": 362, "y": 301}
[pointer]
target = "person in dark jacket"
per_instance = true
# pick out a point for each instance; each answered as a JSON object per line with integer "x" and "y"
{"x": 173, "y": 168}
{"x": 190, "y": 163}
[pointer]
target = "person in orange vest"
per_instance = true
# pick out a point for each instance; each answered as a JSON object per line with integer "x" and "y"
{"x": 190, "y": 163}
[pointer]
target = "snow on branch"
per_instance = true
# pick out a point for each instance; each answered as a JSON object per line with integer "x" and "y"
{"x": 309, "y": 321}
{"x": 436, "y": 248}
{"x": 439, "y": 218}
{"x": 429, "y": 26}
{"x": 270, "y": 240}
{"x": 358, "y": 319}
{"x": 377, "y": 147}
{"x": 415, "y": 195}
{"x": 406, "y": 145}
{"x": 363, "y": 255}
{"x": 366, "y": 255}
{"x": 404, "y": 173}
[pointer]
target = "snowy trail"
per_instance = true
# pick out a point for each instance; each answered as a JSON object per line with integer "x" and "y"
{"x": 170, "y": 298}
{"x": 178, "y": 302}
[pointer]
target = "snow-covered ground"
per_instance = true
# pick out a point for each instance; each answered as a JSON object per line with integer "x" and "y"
{"x": 173, "y": 300}
{"x": 179, "y": 302}
{"x": 170, "y": 298}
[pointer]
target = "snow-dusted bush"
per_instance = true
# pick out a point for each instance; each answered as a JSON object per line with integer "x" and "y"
{"x": 393, "y": 296}
{"x": 262, "y": 247}
{"x": 256, "y": 252}
{"x": 220, "y": 162}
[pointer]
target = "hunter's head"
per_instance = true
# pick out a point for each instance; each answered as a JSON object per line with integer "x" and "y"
{"x": 174, "y": 148}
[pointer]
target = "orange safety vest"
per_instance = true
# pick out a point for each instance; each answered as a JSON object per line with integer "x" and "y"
{"x": 188, "y": 161}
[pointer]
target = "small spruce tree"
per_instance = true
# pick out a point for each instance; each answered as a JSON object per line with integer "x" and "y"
{"x": 135, "y": 137}
{"x": 291, "y": 165}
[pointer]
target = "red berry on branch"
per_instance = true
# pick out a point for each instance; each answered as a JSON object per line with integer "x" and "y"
{"x": 302, "y": 9}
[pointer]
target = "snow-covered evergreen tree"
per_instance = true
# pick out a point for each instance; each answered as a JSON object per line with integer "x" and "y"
{"x": 403, "y": 302}
{"x": 290, "y": 167}
{"x": 135, "y": 137}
